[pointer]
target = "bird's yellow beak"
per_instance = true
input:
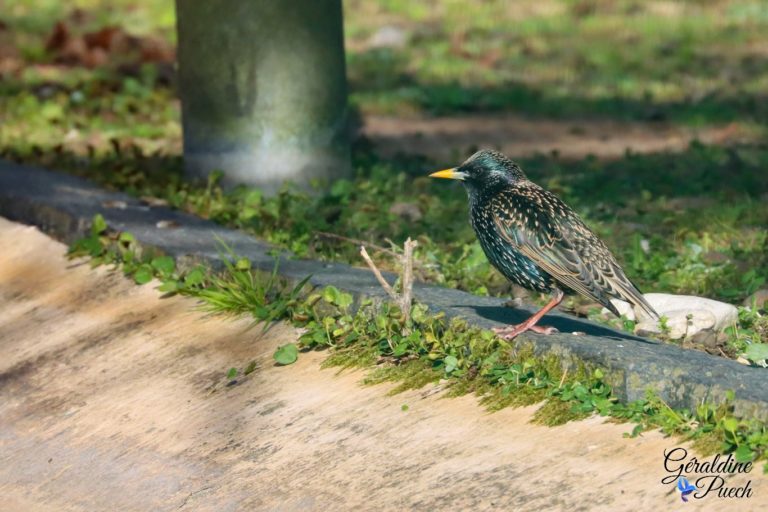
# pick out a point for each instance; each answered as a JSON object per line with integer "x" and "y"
{"x": 449, "y": 174}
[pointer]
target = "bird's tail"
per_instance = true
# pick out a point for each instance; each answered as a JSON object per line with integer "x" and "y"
{"x": 630, "y": 293}
{"x": 645, "y": 306}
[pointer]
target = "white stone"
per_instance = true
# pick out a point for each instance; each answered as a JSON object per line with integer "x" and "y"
{"x": 647, "y": 327}
{"x": 685, "y": 323}
{"x": 687, "y": 315}
{"x": 725, "y": 315}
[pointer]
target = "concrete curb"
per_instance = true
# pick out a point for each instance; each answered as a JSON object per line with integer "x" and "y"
{"x": 63, "y": 206}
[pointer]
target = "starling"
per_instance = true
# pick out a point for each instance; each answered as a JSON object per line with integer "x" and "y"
{"x": 536, "y": 241}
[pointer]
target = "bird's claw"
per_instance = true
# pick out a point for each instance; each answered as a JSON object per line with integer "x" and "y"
{"x": 513, "y": 331}
{"x": 543, "y": 329}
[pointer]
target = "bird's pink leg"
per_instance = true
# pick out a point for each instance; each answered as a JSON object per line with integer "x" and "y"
{"x": 512, "y": 331}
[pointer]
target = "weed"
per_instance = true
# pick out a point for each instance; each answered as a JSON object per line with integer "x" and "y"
{"x": 690, "y": 222}
{"x": 236, "y": 290}
{"x": 468, "y": 359}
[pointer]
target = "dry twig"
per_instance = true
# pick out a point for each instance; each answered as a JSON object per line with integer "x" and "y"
{"x": 407, "y": 292}
{"x": 405, "y": 297}
{"x": 383, "y": 282}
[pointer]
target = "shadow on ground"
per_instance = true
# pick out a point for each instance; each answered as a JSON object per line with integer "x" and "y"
{"x": 119, "y": 401}
{"x": 383, "y": 75}
{"x": 565, "y": 324}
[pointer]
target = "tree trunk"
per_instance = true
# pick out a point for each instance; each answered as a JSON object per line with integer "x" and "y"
{"x": 263, "y": 90}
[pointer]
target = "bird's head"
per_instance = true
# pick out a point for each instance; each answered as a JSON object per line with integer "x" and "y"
{"x": 485, "y": 171}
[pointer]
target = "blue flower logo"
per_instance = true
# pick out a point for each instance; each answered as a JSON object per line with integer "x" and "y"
{"x": 685, "y": 488}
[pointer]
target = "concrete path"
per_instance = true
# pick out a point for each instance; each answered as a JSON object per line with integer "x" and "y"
{"x": 112, "y": 398}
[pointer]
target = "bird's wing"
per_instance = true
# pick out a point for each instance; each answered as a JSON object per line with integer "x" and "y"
{"x": 547, "y": 231}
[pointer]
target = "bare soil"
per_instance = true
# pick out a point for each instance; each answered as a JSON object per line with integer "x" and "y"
{"x": 446, "y": 138}
{"x": 112, "y": 398}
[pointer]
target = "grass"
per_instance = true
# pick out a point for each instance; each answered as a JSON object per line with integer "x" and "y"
{"x": 235, "y": 290}
{"x": 47, "y": 105}
{"x": 694, "y": 62}
{"x": 418, "y": 349}
{"x": 693, "y": 228}
{"x": 688, "y": 222}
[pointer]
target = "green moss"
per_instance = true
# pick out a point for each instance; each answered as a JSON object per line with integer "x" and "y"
{"x": 495, "y": 398}
{"x": 351, "y": 357}
{"x": 691, "y": 221}
{"x": 555, "y": 412}
{"x": 463, "y": 387}
{"x": 708, "y": 444}
{"x": 413, "y": 374}
{"x": 425, "y": 348}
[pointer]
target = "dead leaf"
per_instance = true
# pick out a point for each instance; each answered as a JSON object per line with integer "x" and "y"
{"x": 153, "y": 201}
{"x": 117, "y": 204}
{"x": 58, "y": 38}
{"x": 108, "y": 46}
{"x": 167, "y": 224}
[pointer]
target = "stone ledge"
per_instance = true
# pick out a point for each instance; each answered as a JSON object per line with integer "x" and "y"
{"x": 63, "y": 206}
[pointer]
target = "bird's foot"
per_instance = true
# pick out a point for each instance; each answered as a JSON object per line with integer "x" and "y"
{"x": 543, "y": 329}
{"x": 512, "y": 331}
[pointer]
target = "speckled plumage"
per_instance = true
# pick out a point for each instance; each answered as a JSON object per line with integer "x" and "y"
{"x": 535, "y": 240}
